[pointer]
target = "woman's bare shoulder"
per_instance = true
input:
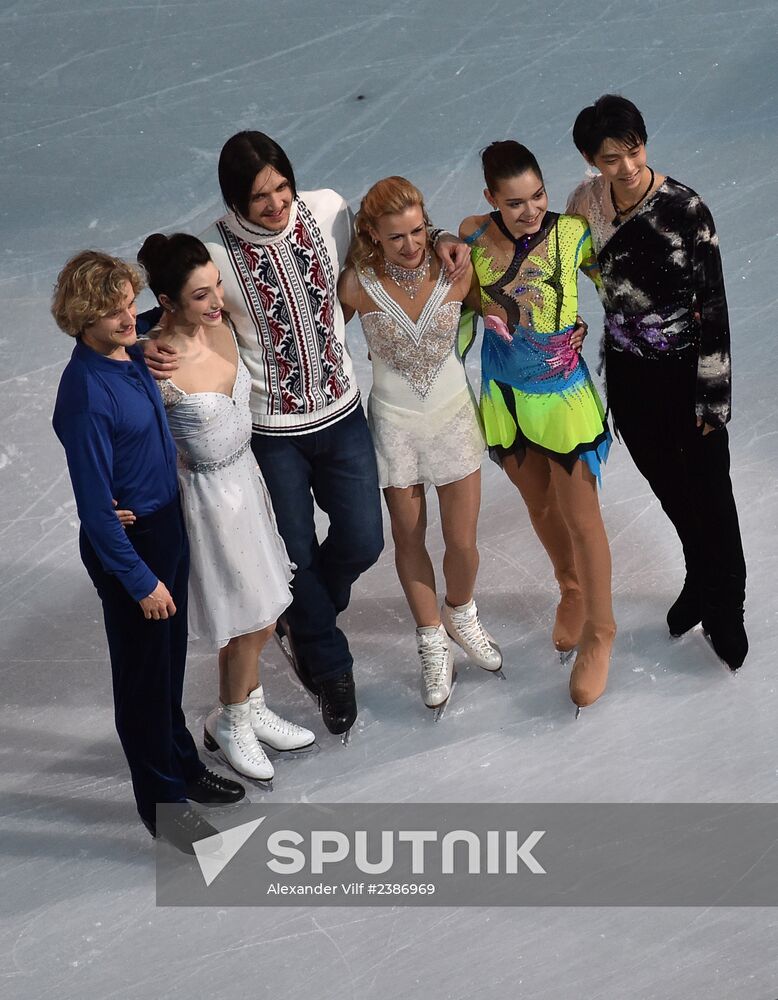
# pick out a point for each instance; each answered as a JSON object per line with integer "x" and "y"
{"x": 348, "y": 287}
{"x": 471, "y": 225}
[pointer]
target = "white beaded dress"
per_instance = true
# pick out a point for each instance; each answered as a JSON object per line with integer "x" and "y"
{"x": 421, "y": 410}
{"x": 240, "y": 571}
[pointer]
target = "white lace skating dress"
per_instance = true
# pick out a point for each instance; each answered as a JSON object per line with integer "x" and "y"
{"x": 240, "y": 570}
{"x": 421, "y": 410}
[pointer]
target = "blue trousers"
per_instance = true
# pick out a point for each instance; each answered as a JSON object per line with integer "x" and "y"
{"x": 336, "y": 467}
{"x": 147, "y": 663}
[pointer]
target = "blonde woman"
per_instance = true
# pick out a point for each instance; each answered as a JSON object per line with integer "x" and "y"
{"x": 423, "y": 418}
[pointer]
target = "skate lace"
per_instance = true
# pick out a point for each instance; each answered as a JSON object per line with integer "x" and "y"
{"x": 339, "y": 692}
{"x": 472, "y": 631}
{"x": 432, "y": 653}
{"x": 246, "y": 741}
{"x": 274, "y": 721}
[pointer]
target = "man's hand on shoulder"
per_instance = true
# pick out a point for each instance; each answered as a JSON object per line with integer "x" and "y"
{"x": 161, "y": 359}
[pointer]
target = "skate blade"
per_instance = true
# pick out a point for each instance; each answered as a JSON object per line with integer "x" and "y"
{"x": 286, "y": 649}
{"x": 498, "y": 674}
{"x": 345, "y": 738}
{"x": 577, "y": 711}
{"x": 274, "y": 753}
{"x": 566, "y": 655}
{"x": 440, "y": 710}
{"x": 682, "y": 635}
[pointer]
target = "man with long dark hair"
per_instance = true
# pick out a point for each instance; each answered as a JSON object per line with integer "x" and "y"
{"x": 280, "y": 253}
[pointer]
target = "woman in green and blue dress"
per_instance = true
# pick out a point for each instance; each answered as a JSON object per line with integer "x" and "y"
{"x": 544, "y": 420}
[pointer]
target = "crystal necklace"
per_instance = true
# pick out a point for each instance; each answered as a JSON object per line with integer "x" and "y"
{"x": 410, "y": 279}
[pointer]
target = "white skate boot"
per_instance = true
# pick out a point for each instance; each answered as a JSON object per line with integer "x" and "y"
{"x": 465, "y": 628}
{"x": 228, "y": 728}
{"x": 437, "y": 665}
{"x": 274, "y": 731}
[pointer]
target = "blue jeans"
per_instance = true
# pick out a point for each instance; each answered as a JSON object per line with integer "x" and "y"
{"x": 336, "y": 467}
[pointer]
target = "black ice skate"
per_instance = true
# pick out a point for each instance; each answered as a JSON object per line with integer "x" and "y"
{"x": 339, "y": 705}
{"x": 686, "y": 611}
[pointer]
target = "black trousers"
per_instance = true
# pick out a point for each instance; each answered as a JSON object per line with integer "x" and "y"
{"x": 652, "y": 405}
{"x": 147, "y": 663}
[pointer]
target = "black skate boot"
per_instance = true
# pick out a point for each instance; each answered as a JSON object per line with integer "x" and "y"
{"x": 727, "y": 635}
{"x": 686, "y": 612}
{"x": 183, "y": 828}
{"x": 339, "y": 704}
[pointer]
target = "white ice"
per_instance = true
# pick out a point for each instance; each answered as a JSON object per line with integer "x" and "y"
{"x": 113, "y": 116}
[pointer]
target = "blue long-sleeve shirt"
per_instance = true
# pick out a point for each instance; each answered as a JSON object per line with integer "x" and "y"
{"x": 111, "y": 421}
{"x": 147, "y": 320}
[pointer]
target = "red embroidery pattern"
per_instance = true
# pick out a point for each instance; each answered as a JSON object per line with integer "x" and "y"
{"x": 289, "y": 288}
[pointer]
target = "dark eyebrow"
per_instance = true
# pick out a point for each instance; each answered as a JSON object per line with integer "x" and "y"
{"x": 264, "y": 194}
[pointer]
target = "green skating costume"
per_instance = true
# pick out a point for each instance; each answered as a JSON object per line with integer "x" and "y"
{"x": 536, "y": 390}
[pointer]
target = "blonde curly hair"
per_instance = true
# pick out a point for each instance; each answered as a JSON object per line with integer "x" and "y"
{"x": 389, "y": 196}
{"x": 90, "y": 286}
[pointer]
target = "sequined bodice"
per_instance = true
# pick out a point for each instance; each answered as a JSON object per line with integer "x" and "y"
{"x": 209, "y": 427}
{"x": 415, "y": 351}
{"x": 532, "y": 282}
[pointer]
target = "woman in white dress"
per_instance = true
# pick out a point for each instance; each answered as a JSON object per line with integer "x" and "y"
{"x": 423, "y": 418}
{"x": 240, "y": 571}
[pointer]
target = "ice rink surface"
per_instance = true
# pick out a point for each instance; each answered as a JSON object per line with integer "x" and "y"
{"x": 113, "y": 117}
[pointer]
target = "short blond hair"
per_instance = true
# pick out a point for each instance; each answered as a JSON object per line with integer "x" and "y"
{"x": 389, "y": 196}
{"x": 90, "y": 286}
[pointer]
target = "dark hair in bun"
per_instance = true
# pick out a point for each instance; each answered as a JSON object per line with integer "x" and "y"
{"x": 169, "y": 260}
{"x": 506, "y": 159}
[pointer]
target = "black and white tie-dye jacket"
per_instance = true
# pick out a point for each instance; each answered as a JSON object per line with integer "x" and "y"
{"x": 662, "y": 283}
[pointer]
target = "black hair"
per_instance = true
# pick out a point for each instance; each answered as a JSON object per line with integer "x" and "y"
{"x": 242, "y": 157}
{"x": 506, "y": 159}
{"x": 610, "y": 117}
{"x": 169, "y": 260}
